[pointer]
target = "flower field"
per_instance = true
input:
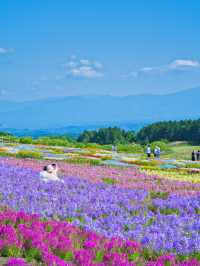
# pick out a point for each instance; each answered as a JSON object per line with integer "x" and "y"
{"x": 100, "y": 215}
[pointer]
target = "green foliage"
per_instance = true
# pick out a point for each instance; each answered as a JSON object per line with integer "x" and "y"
{"x": 88, "y": 145}
{"x": 162, "y": 144}
{"x": 150, "y": 255}
{"x": 8, "y": 137}
{"x": 83, "y": 161}
{"x": 184, "y": 130}
{"x": 4, "y": 134}
{"x": 11, "y": 252}
{"x": 99, "y": 256}
{"x": 49, "y": 228}
{"x": 134, "y": 213}
{"x": 150, "y": 167}
{"x": 150, "y": 221}
{"x": 81, "y": 219}
{"x": 62, "y": 140}
{"x": 197, "y": 210}
{"x": 169, "y": 211}
{"x": 126, "y": 228}
{"x": 158, "y": 195}
{"x": 54, "y": 141}
{"x": 32, "y": 254}
{"x": 29, "y": 154}
{"x": 152, "y": 208}
{"x": 133, "y": 256}
{"x": 5, "y": 154}
{"x": 70, "y": 219}
{"x": 196, "y": 255}
{"x": 147, "y": 163}
{"x": 26, "y": 140}
{"x": 109, "y": 181}
{"x": 192, "y": 165}
{"x": 68, "y": 256}
{"x": 182, "y": 257}
{"x": 110, "y": 135}
{"x": 107, "y": 147}
{"x": 130, "y": 148}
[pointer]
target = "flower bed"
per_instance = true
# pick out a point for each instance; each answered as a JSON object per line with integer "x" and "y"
{"x": 53, "y": 243}
{"x": 159, "y": 221}
{"x": 124, "y": 177}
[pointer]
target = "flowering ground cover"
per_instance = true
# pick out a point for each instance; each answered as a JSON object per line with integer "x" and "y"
{"x": 159, "y": 220}
{"x": 122, "y": 177}
{"x": 48, "y": 242}
{"x": 185, "y": 175}
{"x": 59, "y": 243}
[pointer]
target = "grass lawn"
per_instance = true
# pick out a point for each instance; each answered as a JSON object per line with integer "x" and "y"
{"x": 181, "y": 151}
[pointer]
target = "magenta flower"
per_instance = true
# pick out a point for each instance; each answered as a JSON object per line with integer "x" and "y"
{"x": 16, "y": 262}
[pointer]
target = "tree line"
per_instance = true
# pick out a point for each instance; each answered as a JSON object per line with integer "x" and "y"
{"x": 110, "y": 135}
{"x": 184, "y": 130}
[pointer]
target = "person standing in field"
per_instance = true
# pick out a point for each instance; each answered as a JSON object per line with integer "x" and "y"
{"x": 158, "y": 152}
{"x": 193, "y": 156}
{"x": 148, "y": 151}
{"x": 155, "y": 152}
{"x": 198, "y": 155}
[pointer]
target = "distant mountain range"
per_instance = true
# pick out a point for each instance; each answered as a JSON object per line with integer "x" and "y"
{"x": 73, "y": 131}
{"x": 99, "y": 110}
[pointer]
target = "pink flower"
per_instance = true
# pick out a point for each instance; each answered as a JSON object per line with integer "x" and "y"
{"x": 16, "y": 262}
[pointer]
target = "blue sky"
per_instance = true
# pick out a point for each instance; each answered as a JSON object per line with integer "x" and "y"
{"x": 58, "y": 48}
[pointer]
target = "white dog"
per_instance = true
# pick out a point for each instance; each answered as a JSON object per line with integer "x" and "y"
{"x": 50, "y": 173}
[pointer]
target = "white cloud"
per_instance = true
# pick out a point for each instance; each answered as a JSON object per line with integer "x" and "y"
{"x": 85, "y": 72}
{"x": 178, "y": 64}
{"x": 6, "y": 50}
{"x": 182, "y": 63}
{"x": 83, "y": 68}
{"x": 85, "y": 62}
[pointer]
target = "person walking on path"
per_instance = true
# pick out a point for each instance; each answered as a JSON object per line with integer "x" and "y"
{"x": 148, "y": 151}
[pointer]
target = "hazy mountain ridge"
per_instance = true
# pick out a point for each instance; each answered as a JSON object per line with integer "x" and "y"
{"x": 80, "y": 110}
{"x": 73, "y": 131}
